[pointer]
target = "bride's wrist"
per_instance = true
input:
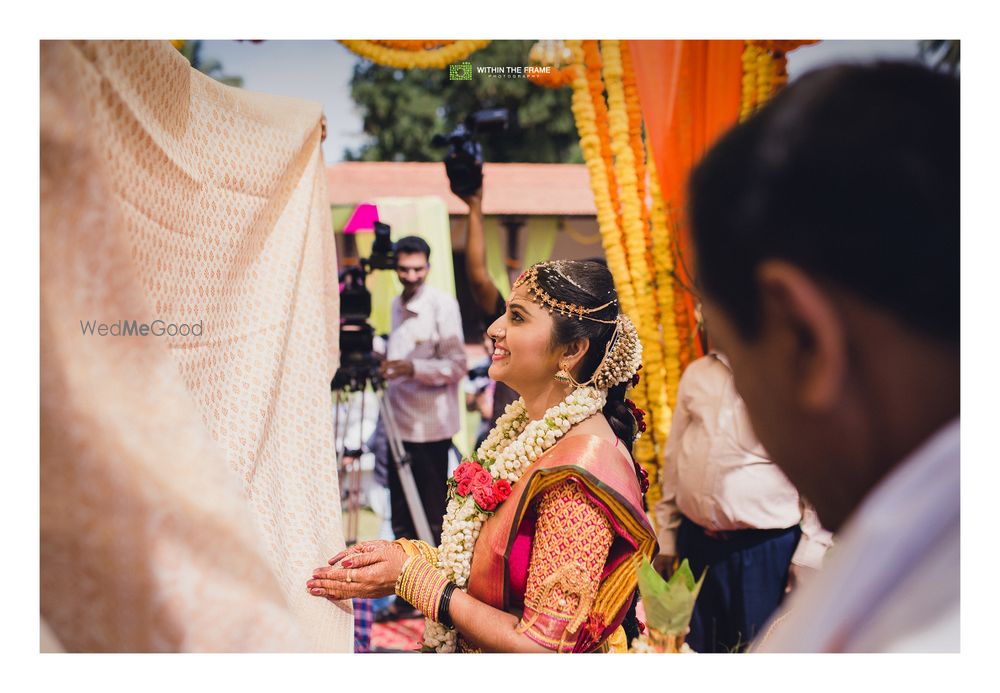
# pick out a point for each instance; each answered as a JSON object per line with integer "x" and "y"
{"x": 420, "y": 583}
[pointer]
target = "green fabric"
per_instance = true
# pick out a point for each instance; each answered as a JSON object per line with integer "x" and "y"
{"x": 340, "y": 215}
{"x": 541, "y": 240}
{"x": 495, "y": 254}
{"x": 426, "y": 217}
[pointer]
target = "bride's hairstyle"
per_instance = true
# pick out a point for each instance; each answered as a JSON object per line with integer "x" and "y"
{"x": 589, "y": 285}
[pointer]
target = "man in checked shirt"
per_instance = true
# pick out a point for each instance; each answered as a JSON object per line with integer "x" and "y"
{"x": 425, "y": 360}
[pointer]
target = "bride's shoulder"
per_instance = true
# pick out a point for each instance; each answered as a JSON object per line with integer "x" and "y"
{"x": 597, "y": 426}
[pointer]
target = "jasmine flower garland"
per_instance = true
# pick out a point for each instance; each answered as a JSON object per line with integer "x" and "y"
{"x": 511, "y": 447}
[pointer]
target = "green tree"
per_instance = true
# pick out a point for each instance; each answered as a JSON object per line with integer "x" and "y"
{"x": 402, "y": 109}
{"x": 209, "y": 66}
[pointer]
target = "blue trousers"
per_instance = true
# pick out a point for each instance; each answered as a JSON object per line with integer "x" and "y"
{"x": 747, "y": 574}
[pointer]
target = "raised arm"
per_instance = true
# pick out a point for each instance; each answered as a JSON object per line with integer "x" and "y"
{"x": 483, "y": 289}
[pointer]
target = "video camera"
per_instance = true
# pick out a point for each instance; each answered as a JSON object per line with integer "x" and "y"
{"x": 464, "y": 160}
{"x": 357, "y": 357}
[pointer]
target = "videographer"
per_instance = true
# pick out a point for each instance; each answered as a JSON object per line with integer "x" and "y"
{"x": 488, "y": 297}
{"x": 425, "y": 360}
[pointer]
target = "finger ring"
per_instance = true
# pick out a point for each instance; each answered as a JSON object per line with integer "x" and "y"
{"x": 349, "y": 577}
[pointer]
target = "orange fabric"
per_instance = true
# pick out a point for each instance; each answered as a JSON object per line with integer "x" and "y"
{"x": 690, "y": 94}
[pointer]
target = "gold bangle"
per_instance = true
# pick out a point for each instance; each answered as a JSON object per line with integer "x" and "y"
{"x": 402, "y": 574}
{"x": 421, "y": 584}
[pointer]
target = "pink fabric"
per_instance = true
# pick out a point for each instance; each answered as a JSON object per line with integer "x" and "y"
{"x": 363, "y": 219}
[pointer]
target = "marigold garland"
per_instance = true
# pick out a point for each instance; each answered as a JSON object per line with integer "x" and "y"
{"x": 590, "y": 145}
{"x": 634, "y": 111}
{"x": 765, "y": 72}
{"x": 413, "y": 45}
{"x": 765, "y": 77}
{"x": 556, "y": 56}
{"x": 748, "y": 90}
{"x": 664, "y": 266}
{"x": 410, "y": 59}
{"x": 556, "y": 78}
{"x": 650, "y": 391}
{"x": 685, "y": 337}
{"x": 592, "y": 61}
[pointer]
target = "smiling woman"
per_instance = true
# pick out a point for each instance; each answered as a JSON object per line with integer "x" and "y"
{"x": 543, "y": 523}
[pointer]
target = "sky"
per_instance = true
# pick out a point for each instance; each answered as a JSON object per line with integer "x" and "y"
{"x": 321, "y": 71}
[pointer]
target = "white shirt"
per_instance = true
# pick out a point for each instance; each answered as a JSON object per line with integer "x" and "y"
{"x": 717, "y": 474}
{"x": 892, "y": 582}
{"x": 427, "y": 331}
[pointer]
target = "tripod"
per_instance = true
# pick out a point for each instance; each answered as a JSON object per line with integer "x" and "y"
{"x": 353, "y": 381}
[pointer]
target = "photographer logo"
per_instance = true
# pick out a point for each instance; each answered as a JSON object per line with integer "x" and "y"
{"x": 461, "y": 72}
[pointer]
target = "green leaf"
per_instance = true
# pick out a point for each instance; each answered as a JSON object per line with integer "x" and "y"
{"x": 668, "y": 603}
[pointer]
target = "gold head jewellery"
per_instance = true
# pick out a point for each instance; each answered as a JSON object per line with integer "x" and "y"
{"x": 529, "y": 280}
{"x": 623, "y": 352}
{"x": 621, "y": 360}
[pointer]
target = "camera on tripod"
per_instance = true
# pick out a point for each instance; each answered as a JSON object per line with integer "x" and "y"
{"x": 358, "y": 369}
{"x": 464, "y": 160}
{"x": 358, "y": 365}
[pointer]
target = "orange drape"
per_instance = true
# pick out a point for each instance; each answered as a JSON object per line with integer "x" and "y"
{"x": 690, "y": 94}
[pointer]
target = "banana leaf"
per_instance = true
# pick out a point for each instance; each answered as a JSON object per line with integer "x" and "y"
{"x": 668, "y": 603}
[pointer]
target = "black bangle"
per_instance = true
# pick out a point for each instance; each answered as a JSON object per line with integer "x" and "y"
{"x": 444, "y": 617}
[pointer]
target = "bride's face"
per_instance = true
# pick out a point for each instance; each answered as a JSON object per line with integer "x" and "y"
{"x": 523, "y": 339}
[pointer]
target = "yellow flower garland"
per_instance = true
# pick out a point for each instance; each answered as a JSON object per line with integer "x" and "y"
{"x": 765, "y": 77}
{"x": 650, "y": 391}
{"x": 663, "y": 261}
{"x": 410, "y": 59}
{"x": 593, "y": 65}
{"x": 412, "y": 45}
{"x": 764, "y": 72}
{"x": 748, "y": 92}
{"x": 590, "y": 146}
{"x": 663, "y": 267}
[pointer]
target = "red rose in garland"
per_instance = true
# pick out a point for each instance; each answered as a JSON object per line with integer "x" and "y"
{"x": 484, "y": 497}
{"x": 501, "y": 490}
{"x": 466, "y": 470}
{"x": 482, "y": 478}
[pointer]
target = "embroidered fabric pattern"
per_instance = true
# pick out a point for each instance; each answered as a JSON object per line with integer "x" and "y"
{"x": 571, "y": 544}
{"x": 166, "y": 462}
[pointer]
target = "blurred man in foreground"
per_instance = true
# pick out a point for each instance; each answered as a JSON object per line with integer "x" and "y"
{"x": 826, "y": 229}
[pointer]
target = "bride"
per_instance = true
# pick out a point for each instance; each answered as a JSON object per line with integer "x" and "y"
{"x": 543, "y": 523}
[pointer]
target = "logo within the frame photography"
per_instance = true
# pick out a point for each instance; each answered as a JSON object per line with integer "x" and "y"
{"x": 464, "y": 71}
{"x": 461, "y": 72}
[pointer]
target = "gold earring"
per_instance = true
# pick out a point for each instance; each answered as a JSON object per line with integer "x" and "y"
{"x": 562, "y": 375}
